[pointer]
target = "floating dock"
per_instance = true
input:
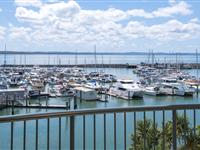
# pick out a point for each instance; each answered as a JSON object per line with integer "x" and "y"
{"x": 42, "y": 106}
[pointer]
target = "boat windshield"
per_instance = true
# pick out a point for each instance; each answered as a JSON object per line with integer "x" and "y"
{"x": 126, "y": 82}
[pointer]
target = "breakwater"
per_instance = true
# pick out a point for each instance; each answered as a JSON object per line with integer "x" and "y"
{"x": 78, "y": 65}
{"x": 131, "y": 66}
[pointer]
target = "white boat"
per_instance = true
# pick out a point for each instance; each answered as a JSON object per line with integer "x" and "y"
{"x": 36, "y": 83}
{"x": 153, "y": 91}
{"x": 178, "y": 89}
{"x": 126, "y": 89}
{"x": 86, "y": 93}
{"x": 92, "y": 85}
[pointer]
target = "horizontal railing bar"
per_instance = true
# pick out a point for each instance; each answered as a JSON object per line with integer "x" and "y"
{"x": 96, "y": 111}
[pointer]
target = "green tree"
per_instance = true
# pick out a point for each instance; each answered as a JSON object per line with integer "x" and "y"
{"x": 145, "y": 130}
{"x": 185, "y": 135}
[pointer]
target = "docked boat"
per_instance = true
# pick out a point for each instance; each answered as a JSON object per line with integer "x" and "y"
{"x": 36, "y": 83}
{"x": 153, "y": 91}
{"x": 37, "y": 93}
{"x": 178, "y": 89}
{"x": 86, "y": 93}
{"x": 126, "y": 89}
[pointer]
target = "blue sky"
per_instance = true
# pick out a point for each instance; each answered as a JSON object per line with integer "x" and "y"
{"x": 111, "y": 25}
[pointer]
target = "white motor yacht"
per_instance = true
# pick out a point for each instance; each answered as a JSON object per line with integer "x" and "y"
{"x": 127, "y": 89}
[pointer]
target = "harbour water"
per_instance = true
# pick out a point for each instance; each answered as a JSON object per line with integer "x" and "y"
{"x": 90, "y": 59}
{"x": 112, "y": 102}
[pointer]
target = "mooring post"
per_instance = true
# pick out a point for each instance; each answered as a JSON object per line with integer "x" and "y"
{"x": 13, "y": 107}
{"x": 67, "y": 106}
{"x": 6, "y": 101}
{"x": 128, "y": 95}
{"x": 75, "y": 102}
{"x": 80, "y": 96}
{"x": 106, "y": 96}
{"x": 26, "y": 101}
{"x": 46, "y": 103}
{"x": 39, "y": 95}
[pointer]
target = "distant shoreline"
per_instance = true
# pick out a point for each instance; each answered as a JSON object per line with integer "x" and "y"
{"x": 89, "y": 53}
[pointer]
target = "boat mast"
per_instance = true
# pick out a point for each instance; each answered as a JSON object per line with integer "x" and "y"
{"x": 20, "y": 59}
{"x": 95, "y": 57}
{"x": 24, "y": 60}
{"x": 48, "y": 59}
{"x": 176, "y": 62}
{"x": 152, "y": 59}
{"x": 76, "y": 58}
{"x": 197, "y": 67}
{"x": 85, "y": 63}
{"x": 5, "y": 51}
{"x": 14, "y": 60}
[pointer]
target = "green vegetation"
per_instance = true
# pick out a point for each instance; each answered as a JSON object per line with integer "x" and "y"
{"x": 149, "y": 135}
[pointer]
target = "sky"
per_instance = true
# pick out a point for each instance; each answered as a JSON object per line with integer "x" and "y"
{"x": 111, "y": 25}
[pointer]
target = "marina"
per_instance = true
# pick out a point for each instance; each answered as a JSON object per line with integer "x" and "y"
{"x": 99, "y": 75}
{"x": 61, "y": 89}
{"x": 69, "y": 84}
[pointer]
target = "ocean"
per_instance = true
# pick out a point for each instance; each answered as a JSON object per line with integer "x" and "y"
{"x": 53, "y": 59}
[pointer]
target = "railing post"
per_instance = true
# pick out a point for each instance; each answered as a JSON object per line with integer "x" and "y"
{"x": 72, "y": 133}
{"x": 104, "y": 116}
{"x": 115, "y": 134}
{"x": 174, "y": 129}
{"x": 48, "y": 128}
{"x": 24, "y": 138}
{"x": 125, "y": 130}
{"x": 36, "y": 134}
{"x": 163, "y": 129}
{"x": 145, "y": 140}
{"x": 83, "y": 132}
{"x": 11, "y": 136}
{"x": 59, "y": 131}
{"x": 94, "y": 130}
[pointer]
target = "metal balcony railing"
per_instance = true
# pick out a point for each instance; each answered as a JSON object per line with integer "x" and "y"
{"x": 105, "y": 123}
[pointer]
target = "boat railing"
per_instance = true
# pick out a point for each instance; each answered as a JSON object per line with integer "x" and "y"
{"x": 128, "y": 115}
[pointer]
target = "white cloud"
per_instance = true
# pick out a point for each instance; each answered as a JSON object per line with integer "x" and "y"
{"x": 49, "y": 13}
{"x": 19, "y": 33}
{"x": 26, "y": 3}
{"x": 52, "y": 12}
{"x": 195, "y": 20}
{"x": 172, "y": 1}
{"x": 181, "y": 8}
{"x": 0, "y": 10}
{"x": 171, "y": 30}
{"x": 2, "y": 32}
{"x": 67, "y": 22}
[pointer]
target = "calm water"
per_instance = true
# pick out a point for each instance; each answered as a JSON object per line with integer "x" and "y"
{"x": 90, "y": 59}
{"x": 112, "y": 102}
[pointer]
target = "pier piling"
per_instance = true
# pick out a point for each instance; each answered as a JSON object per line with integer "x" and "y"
{"x": 80, "y": 96}
{"x": 13, "y": 107}
{"x": 67, "y": 106}
{"x": 26, "y": 101}
{"x": 75, "y": 102}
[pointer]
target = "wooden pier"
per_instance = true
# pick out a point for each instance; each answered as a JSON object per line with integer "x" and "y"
{"x": 42, "y": 106}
